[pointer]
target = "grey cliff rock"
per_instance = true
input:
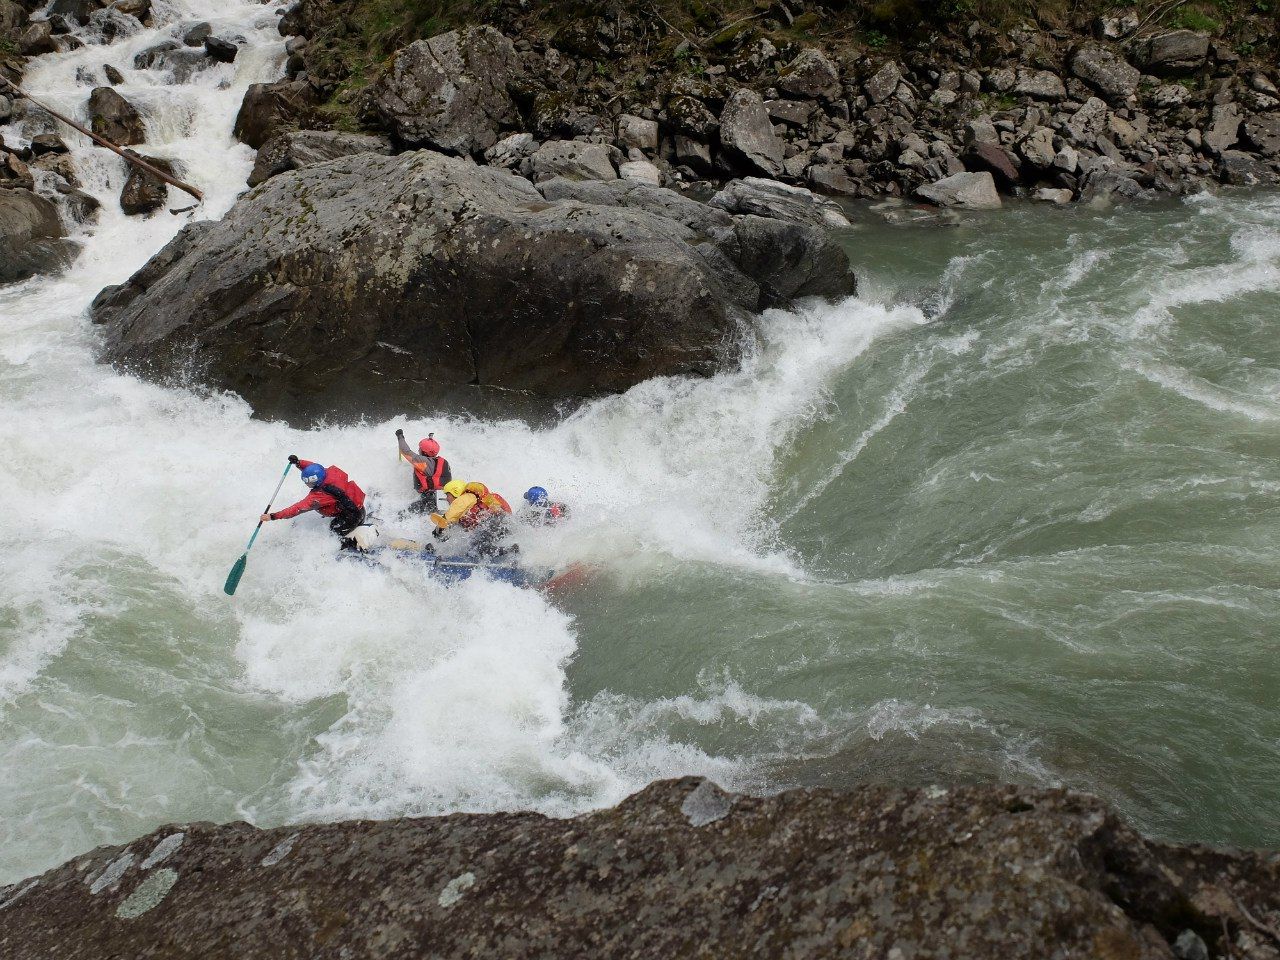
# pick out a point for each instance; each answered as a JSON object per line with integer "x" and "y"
{"x": 681, "y": 869}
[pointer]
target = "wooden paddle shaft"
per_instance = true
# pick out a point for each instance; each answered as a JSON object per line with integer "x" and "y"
{"x": 131, "y": 157}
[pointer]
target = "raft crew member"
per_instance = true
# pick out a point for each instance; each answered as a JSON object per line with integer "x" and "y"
{"x": 478, "y": 510}
{"x": 542, "y": 510}
{"x": 430, "y": 471}
{"x": 333, "y": 495}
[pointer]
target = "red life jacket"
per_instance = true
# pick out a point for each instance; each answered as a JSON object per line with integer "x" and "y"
{"x": 427, "y": 482}
{"x": 337, "y": 495}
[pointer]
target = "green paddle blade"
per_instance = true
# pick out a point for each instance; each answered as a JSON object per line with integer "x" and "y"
{"x": 237, "y": 571}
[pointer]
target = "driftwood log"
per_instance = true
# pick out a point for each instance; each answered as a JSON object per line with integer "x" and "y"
{"x": 131, "y": 157}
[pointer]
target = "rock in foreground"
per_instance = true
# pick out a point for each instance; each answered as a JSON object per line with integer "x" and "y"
{"x": 373, "y": 280}
{"x": 679, "y": 870}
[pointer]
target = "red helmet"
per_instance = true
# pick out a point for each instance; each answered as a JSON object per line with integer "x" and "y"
{"x": 428, "y": 447}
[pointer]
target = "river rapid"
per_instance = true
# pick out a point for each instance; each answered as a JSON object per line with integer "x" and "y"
{"x": 1013, "y": 514}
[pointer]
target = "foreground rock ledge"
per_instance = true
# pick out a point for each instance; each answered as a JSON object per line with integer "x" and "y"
{"x": 681, "y": 869}
{"x": 370, "y": 280}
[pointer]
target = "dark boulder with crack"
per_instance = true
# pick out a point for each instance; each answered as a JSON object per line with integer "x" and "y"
{"x": 411, "y": 279}
{"x": 681, "y": 869}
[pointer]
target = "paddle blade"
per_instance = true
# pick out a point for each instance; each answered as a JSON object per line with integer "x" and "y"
{"x": 437, "y": 519}
{"x": 233, "y": 578}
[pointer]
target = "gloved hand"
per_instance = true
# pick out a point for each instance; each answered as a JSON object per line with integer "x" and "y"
{"x": 293, "y": 458}
{"x": 399, "y": 433}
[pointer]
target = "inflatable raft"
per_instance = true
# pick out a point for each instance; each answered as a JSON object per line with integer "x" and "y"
{"x": 507, "y": 568}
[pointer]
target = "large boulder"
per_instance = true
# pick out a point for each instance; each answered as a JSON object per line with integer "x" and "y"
{"x": 32, "y": 240}
{"x": 1240, "y": 169}
{"x": 769, "y": 198}
{"x": 968, "y": 191}
{"x": 682, "y": 869}
{"x": 576, "y": 161}
{"x": 1107, "y": 72}
{"x": 995, "y": 160}
{"x": 270, "y": 109}
{"x": 409, "y": 280}
{"x": 747, "y": 135}
{"x": 449, "y": 93}
{"x": 37, "y": 39}
{"x": 302, "y": 148}
{"x": 1263, "y": 134}
{"x": 810, "y": 75}
{"x": 881, "y": 85}
{"x": 114, "y": 117}
{"x": 1176, "y": 53}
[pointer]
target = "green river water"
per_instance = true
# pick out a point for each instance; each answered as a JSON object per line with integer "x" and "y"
{"x": 1011, "y": 515}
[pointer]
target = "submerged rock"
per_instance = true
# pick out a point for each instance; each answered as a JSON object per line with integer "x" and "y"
{"x": 681, "y": 869}
{"x": 407, "y": 280}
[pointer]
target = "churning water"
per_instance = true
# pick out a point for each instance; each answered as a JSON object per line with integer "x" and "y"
{"x": 1011, "y": 515}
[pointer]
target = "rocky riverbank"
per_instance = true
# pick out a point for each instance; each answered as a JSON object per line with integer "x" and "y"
{"x": 680, "y": 869}
{"x": 1108, "y": 101}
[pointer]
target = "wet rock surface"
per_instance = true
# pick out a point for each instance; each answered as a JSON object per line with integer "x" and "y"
{"x": 680, "y": 869}
{"x": 369, "y": 279}
{"x": 32, "y": 239}
{"x": 114, "y": 117}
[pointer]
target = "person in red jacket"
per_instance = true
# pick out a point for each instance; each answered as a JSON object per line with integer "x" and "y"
{"x": 430, "y": 471}
{"x": 333, "y": 494}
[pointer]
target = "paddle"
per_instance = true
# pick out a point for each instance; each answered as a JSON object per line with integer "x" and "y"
{"x": 237, "y": 571}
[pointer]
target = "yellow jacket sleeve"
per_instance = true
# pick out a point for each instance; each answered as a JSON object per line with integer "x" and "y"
{"x": 458, "y": 508}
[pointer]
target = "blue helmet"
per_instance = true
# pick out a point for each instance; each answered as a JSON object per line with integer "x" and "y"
{"x": 313, "y": 475}
{"x": 535, "y": 496}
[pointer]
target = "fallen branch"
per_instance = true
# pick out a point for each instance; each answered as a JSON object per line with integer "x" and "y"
{"x": 128, "y": 155}
{"x": 1158, "y": 13}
